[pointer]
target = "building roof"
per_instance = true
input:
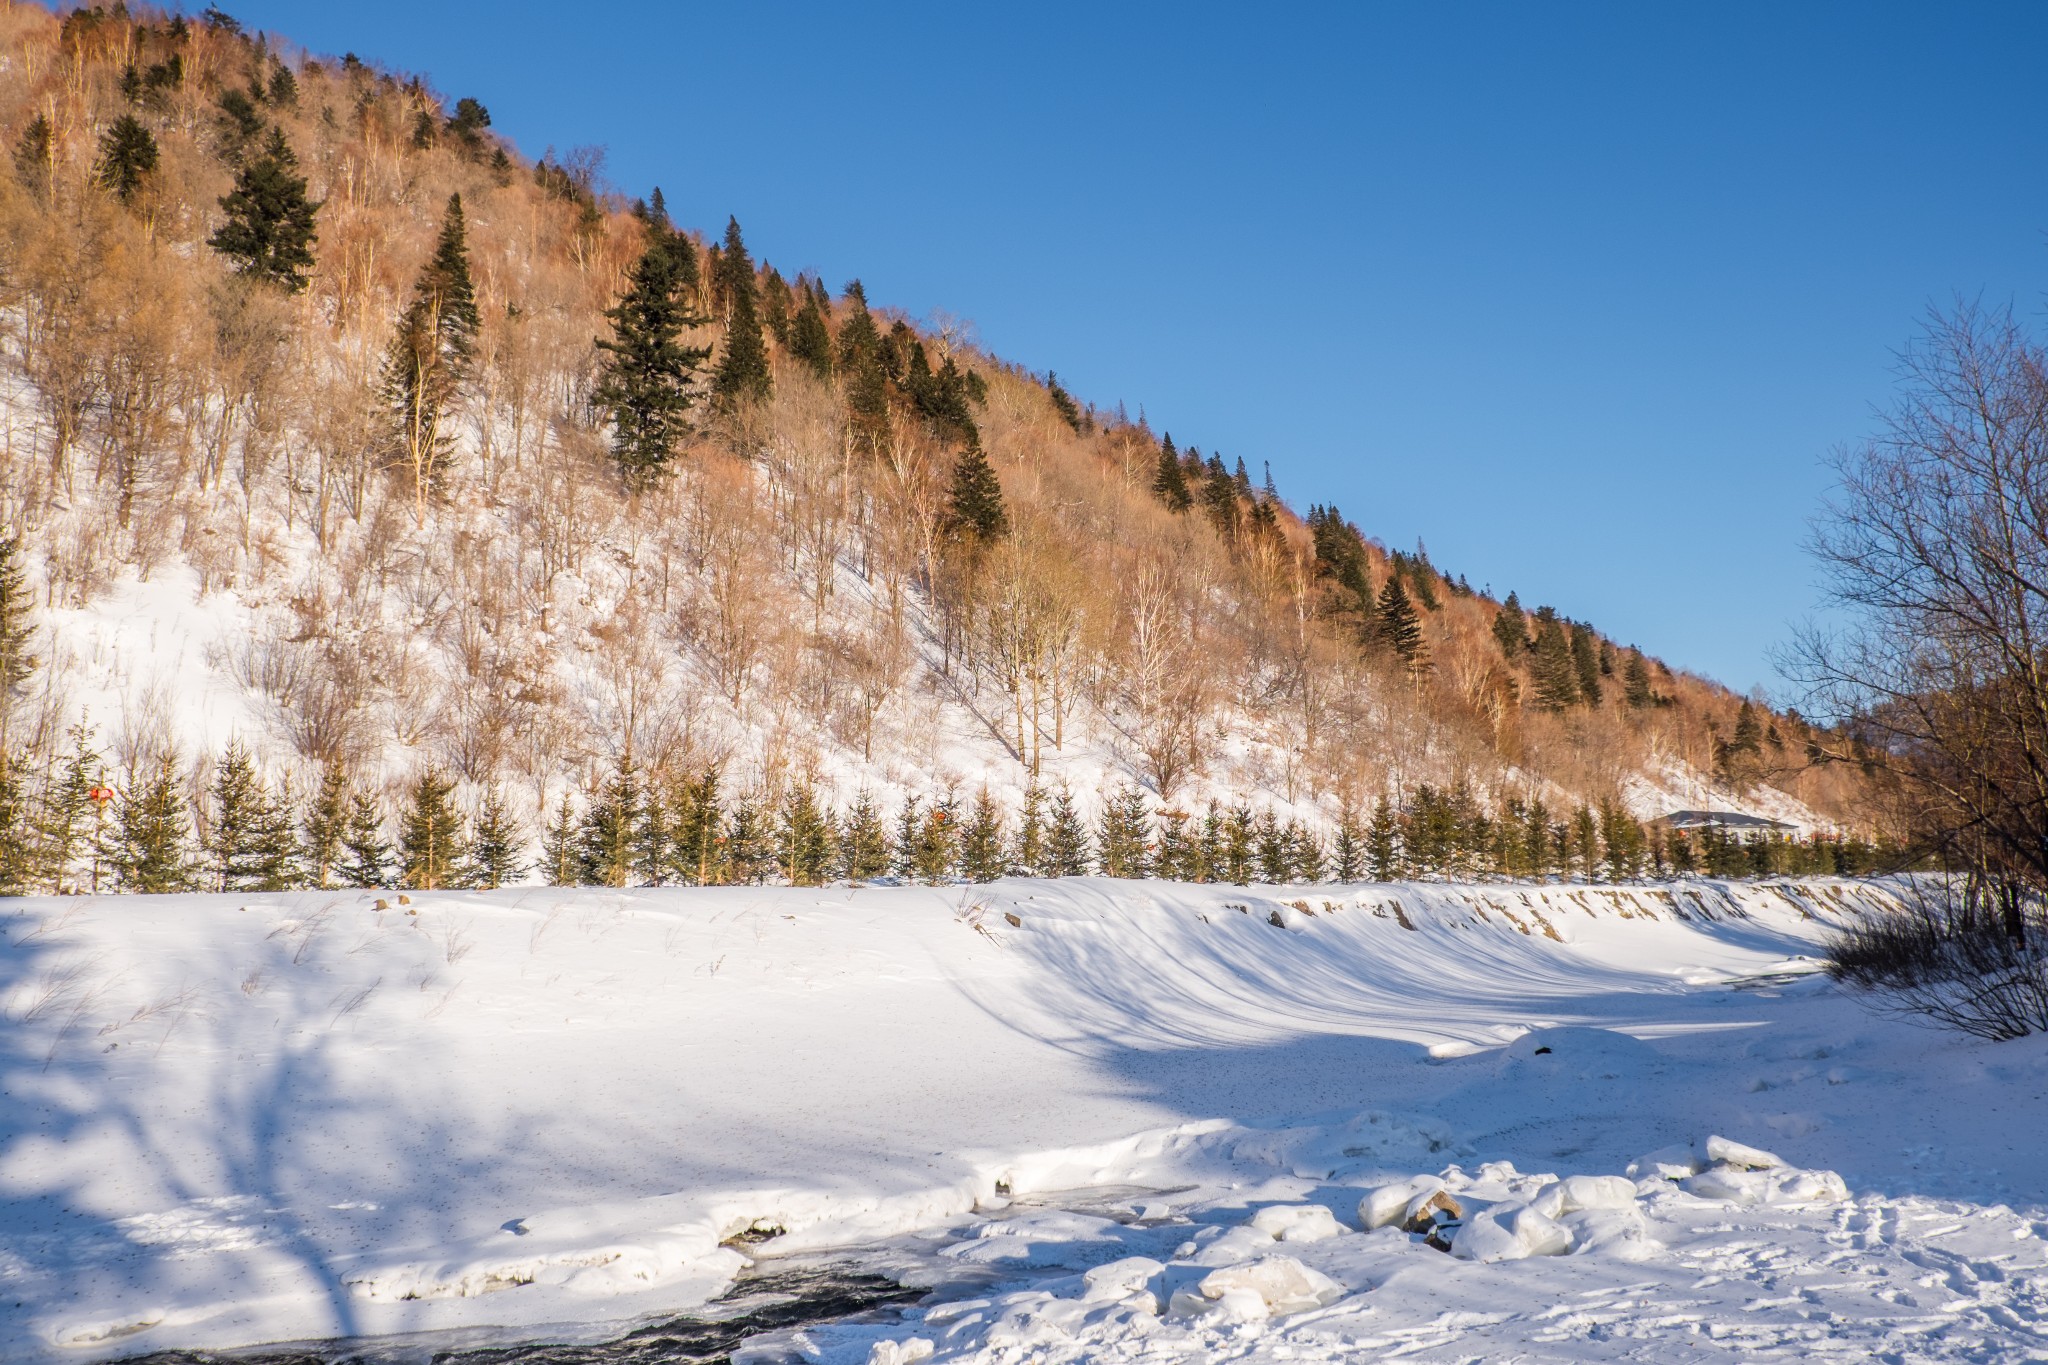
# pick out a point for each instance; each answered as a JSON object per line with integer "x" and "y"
{"x": 1721, "y": 819}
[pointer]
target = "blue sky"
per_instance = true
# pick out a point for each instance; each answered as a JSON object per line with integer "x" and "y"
{"x": 1578, "y": 295}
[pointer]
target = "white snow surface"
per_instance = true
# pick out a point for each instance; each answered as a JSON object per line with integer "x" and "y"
{"x": 1109, "y": 1121}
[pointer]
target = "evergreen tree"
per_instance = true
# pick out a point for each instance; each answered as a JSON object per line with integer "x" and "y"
{"x": 248, "y": 842}
{"x": 606, "y": 846}
{"x": 860, "y": 361}
{"x": 981, "y": 841}
{"x": 17, "y": 629}
{"x": 1236, "y": 849}
{"x": 1120, "y": 847}
{"x": 1511, "y": 629}
{"x": 496, "y": 845}
{"x": 1029, "y": 854}
{"x": 431, "y": 354}
{"x": 1307, "y": 862}
{"x": 367, "y": 860}
{"x": 1170, "y": 484}
{"x": 1586, "y": 662}
{"x": 909, "y": 835}
{"x": 1382, "y": 850}
{"x": 1348, "y": 850}
{"x": 1395, "y": 625}
{"x": 70, "y": 823}
{"x": 127, "y": 160}
{"x": 749, "y": 852}
{"x": 269, "y": 232}
{"x": 936, "y": 847}
{"x": 558, "y": 861}
{"x": 1635, "y": 680}
{"x": 864, "y": 846}
{"x": 1269, "y": 842}
{"x": 35, "y": 156}
{"x": 697, "y": 833}
{"x": 324, "y": 827}
{"x": 1063, "y": 403}
{"x": 20, "y": 868}
{"x": 1624, "y": 842}
{"x": 152, "y": 851}
{"x": 976, "y": 502}
{"x": 1066, "y": 839}
{"x": 466, "y": 125}
{"x": 1556, "y": 674}
{"x": 1586, "y": 844}
{"x": 1174, "y": 856}
{"x": 805, "y": 839}
{"x": 432, "y": 849}
{"x": 810, "y": 336}
{"x": 743, "y": 374}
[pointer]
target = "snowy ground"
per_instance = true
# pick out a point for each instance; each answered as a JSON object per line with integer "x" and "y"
{"x": 1080, "y": 1109}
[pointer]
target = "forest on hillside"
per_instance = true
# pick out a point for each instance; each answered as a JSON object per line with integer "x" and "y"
{"x": 523, "y": 498}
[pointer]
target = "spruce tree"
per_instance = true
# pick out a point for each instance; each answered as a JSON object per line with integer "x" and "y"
{"x": 432, "y": 848}
{"x": 152, "y": 852}
{"x": 1120, "y": 841}
{"x": 248, "y": 842}
{"x": 697, "y": 832}
{"x": 605, "y": 847}
{"x": 128, "y": 158}
{"x": 860, "y": 362}
{"x": 70, "y": 816}
{"x": 1635, "y": 680}
{"x": 1066, "y": 839}
{"x": 20, "y": 868}
{"x": 1172, "y": 849}
{"x": 1063, "y": 403}
{"x": 269, "y": 232}
{"x": 558, "y": 861}
{"x": 909, "y": 836}
{"x": 1270, "y": 843}
{"x": 805, "y": 840}
{"x": 1396, "y": 627}
{"x": 1586, "y": 662}
{"x": 35, "y": 159}
{"x": 1382, "y": 849}
{"x": 1236, "y": 860}
{"x": 864, "y": 843}
{"x": 325, "y": 826}
{"x": 1348, "y": 849}
{"x": 366, "y": 860}
{"x": 810, "y": 336}
{"x": 497, "y": 844}
{"x": 981, "y": 841}
{"x": 1555, "y": 673}
{"x": 648, "y": 377}
{"x": 17, "y": 630}
{"x": 976, "y": 501}
{"x": 743, "y": 374}
{"x": 430, "y": 357}
{"x": 1028, "y": 854}
{"x": 1170, "y": 483}
{"x": 749, "y": 852}
{"x": 1306, "y": 858}
{"x": 1511, "y": 629}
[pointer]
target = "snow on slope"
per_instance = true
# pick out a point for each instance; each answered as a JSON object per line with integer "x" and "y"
{"x": 231, "y": 1120}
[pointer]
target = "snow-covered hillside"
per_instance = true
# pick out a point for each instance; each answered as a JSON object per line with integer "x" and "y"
{"x": 232, "y": 1120}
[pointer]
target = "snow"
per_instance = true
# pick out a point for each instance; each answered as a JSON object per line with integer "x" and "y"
{"x": 1144, "y": 1121}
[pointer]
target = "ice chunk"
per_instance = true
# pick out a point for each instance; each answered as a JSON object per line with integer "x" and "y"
{"x": 899, "y": 1352}
{"x": 1119, "y": 1278}
{"x": 1723, "y": 1152}
{"x": 1509, "y": 1232}
{"x": 1406, "y": 1203}
{"x": 1620, "y": 1233}
{"x": 1784, "y": 1185}
{"x": 1667, "y": 1163}
{"x": 1282, "y": 1284}
{"x": 1576, "y": 1192}
{"x": 1297, "y": 1222}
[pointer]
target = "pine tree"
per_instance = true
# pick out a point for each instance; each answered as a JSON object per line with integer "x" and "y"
{"x": 1395, "y": 625}
{"x": 368, "y": 857}
{"x": 1307, "y": 862}
{"x": 1586, "y": 662}
{"x": 430, "y": 357}
{"x": 1028, "y": 856}
{"x": 248, "y": 842}
{"x": 1063, "y": 403}
{"x": 936, "y": 847}
{"x": 17, "y": 629}
{"x": 743, "y": 374}
{"x": 1511, "y": 629}
{"x": 1635, "y": 678}
{"x": 269, "y": 233}
{"x": 20, "y": 868}
{"x": 697, "y": 833}
{"x": 909, "y": 834}
{"x": 1170, "y": 484}
{"x": 70, "y": 823}
{"x": 805, "y": 840}
{"x": 1236, "y": 860}
{"x": 810, "y": 336}
{"x": 496, "y": 844}
{"x": 325, "y": 826}
{"x": 981, "y": 841}
{"x": 1066, "y": 839}
{"x": 1556, "y": 674}
{"x": 860, "y": 361}
{"x": 558, "y": 861}
{"x": 864, "y": 844}
{"x": 1120, "y": 845}
{"x": 1382, "y": 850}
{"x": 152, "y": 851}
{"x": 1173, "y": 850}
{"x": 605, "y": 846}
{"x": 749, "y": 854}
{"x": 976, "y": 502}
{"x": 1586, "y": 843}
{"x": 128, "y": 158}
{"x": 432, "y": 848}
{"x": 35, "y": 156}
{"x": 1348, "y": 850}
{"x": 466, "y": 125}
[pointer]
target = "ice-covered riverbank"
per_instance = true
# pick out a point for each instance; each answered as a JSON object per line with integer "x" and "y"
{"x": 232, "y": 1120}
